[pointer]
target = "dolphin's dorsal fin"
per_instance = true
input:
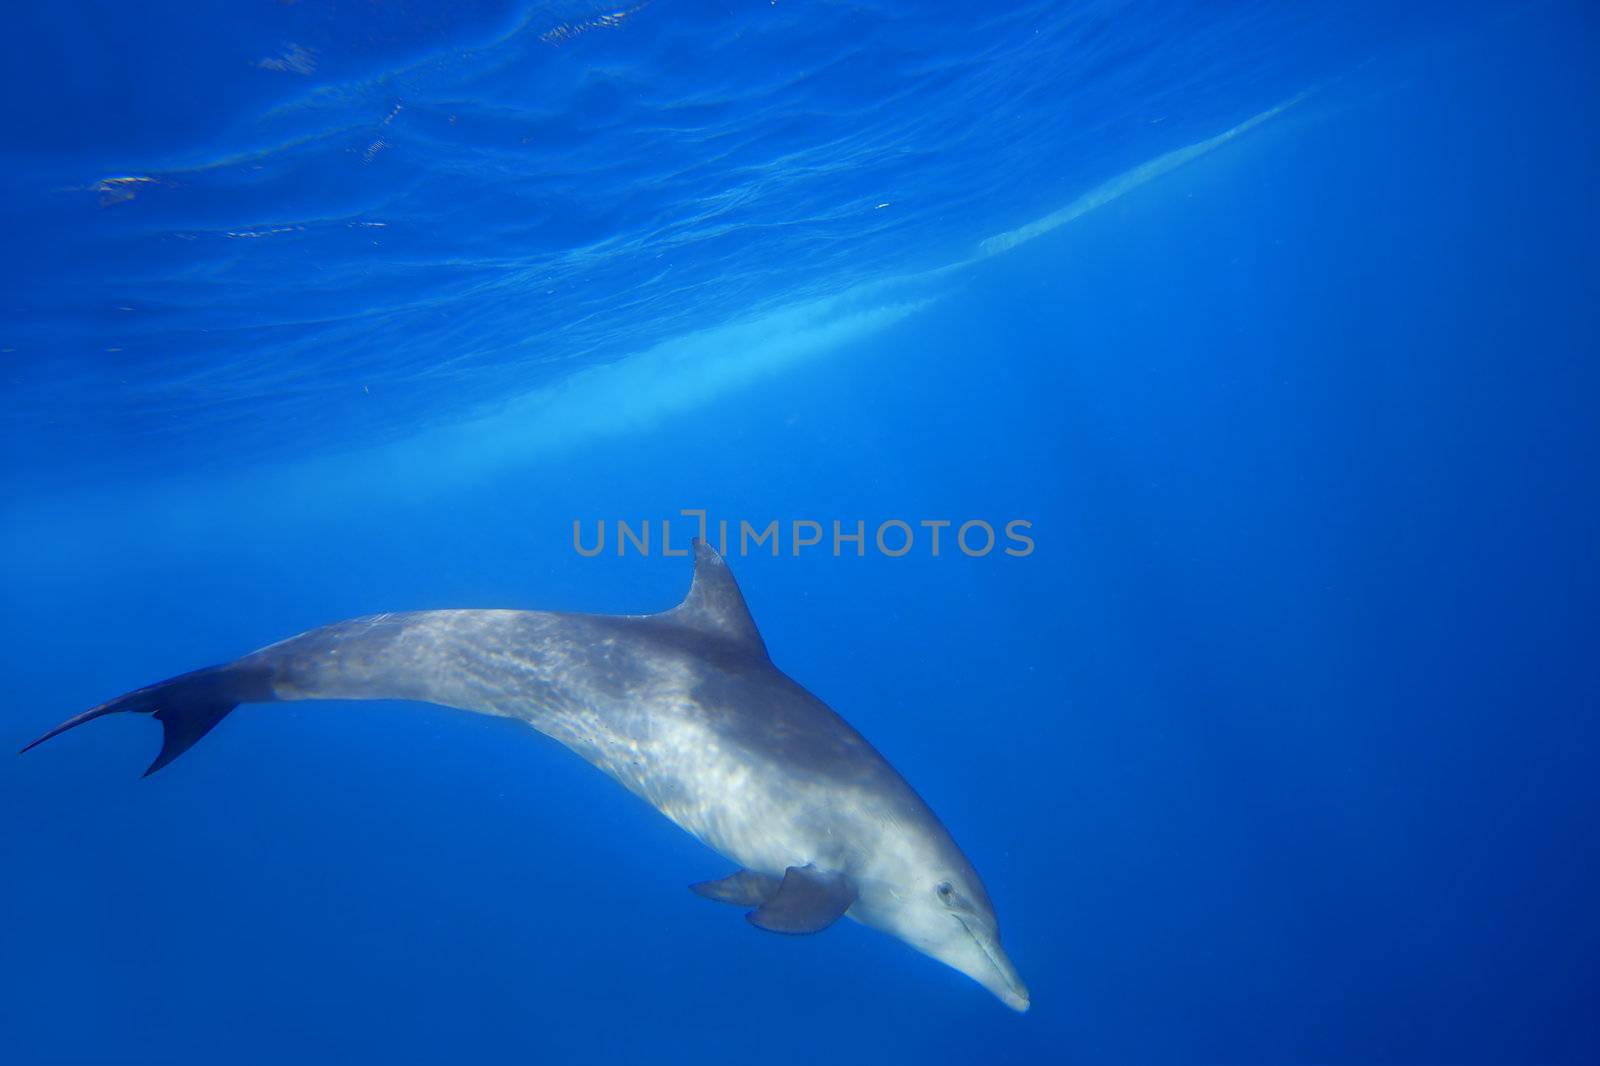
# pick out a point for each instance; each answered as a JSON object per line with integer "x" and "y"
{"x": 714, "y": 604}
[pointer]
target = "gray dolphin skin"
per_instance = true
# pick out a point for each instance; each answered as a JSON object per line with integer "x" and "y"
{"x": 686, "y": 711}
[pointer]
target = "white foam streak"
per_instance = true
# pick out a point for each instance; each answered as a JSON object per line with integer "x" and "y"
{"x": 1124, "y": 183}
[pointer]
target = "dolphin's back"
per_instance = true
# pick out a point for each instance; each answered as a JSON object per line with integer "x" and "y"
{"x": 532, "y": 665}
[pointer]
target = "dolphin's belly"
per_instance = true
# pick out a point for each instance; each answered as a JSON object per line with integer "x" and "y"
{"x": 740, "y": 802}
{"x": 689, "y": 773}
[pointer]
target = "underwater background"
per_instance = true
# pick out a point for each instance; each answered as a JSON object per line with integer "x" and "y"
{"x": 1277, "y": 323}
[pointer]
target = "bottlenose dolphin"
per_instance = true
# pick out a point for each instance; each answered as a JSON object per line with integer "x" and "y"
{"x": 684, "y": 709}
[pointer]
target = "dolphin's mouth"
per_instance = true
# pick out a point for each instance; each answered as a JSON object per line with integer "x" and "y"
{"x": 1009, "y": 988}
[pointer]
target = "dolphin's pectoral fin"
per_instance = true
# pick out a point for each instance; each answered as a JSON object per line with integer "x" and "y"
{"x": 808, "y": 901}
{"x": 744, "y": 889}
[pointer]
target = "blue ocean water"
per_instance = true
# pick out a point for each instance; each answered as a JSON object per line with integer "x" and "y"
{"x": 1277, "y": 324}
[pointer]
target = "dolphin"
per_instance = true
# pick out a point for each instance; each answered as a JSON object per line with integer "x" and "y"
{"x": 686, "y": 710}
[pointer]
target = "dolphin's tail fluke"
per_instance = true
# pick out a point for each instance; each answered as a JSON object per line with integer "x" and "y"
{"x": 187, "y": 706}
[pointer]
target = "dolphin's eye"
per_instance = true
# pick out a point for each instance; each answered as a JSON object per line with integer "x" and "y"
{"x": 946, "y": 890}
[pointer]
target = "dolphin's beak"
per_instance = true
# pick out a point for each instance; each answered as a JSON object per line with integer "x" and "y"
{"x": 1008, "y": 986}
{"x": 999, "y": 977}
